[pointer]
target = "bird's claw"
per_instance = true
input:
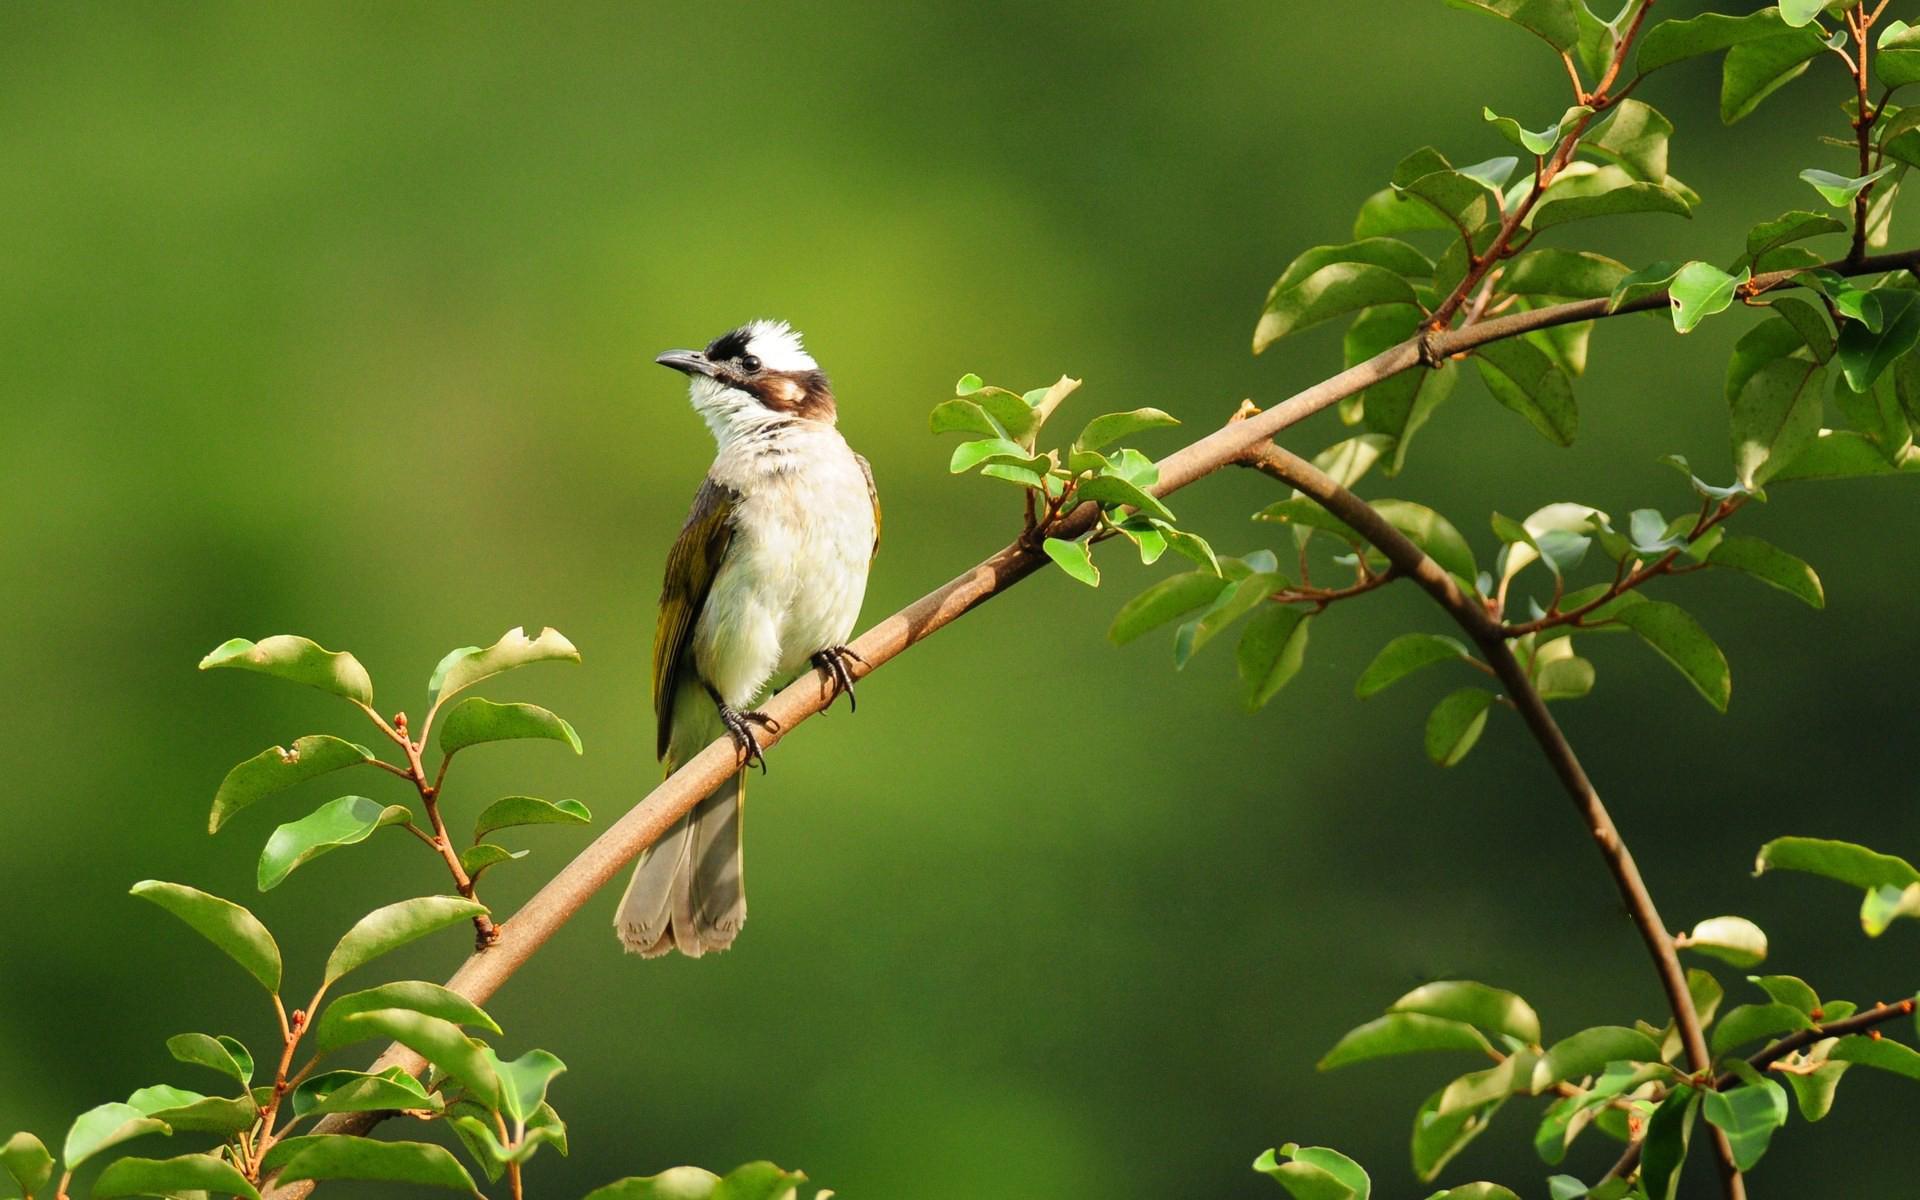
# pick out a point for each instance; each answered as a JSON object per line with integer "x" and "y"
{"x": 740, "y": 728}
{"x": 833, "y": 660}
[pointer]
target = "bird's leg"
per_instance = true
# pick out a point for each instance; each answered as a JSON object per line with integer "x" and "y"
{"x": 833, "y": 660}
{"x": 740, "y": 728}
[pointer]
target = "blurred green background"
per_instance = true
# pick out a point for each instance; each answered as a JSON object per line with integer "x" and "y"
{"x": 339, "y": 319}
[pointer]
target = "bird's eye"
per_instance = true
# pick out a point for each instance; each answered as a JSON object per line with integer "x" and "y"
{"x": 750, "y": 363}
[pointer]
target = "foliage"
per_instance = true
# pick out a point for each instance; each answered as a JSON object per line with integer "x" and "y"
{"x": 264, "y": 1123}
{"x": 1445, "y": 264}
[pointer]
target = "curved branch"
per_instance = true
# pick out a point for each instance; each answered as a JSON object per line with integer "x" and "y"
{"x": 554, "y": 904}
{"x": 1472, "y": 616}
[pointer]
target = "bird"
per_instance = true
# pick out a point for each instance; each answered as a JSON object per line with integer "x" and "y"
{"x": 767, "y": 576}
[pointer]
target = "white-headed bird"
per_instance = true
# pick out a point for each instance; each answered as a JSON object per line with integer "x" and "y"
{"x": 767, "y": 576}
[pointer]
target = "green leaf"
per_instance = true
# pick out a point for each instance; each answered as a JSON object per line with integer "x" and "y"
{"x": 1845, "y": 862}
{"x": 1587, "y": 1052}
{"x": 222, "y": 1054}
{"x": 1401, "y": 406}
{"x": 476, "y": 859}
{"x": 1681, "y": 641}
{"x": 299, "y": 660}
{"x": 1537, "y": 144}
{"x": 524, "y": 1081}
{"x": 1787, "y": 228}
{"x": 1392, "y": 211}
{"x": 529, "y": 810}
{"x": 1550, "y": 20}
{"x": 1012, "y": 413}
{"x": 968, "y": 455}
{"x": 1402, "y": 1033}
{"x": 754, "y": 1181}
{"x": 1898, "y": 63}
{"x": 440, "y": 1042}
{"x": 1104, "y": 430}
{"x": 183, "y": 1111}
{"x": 1331, "y": 291}
{"x": 1839, "y": 190}
{"x": 1478, "y": 1191}
{"x": 1075, "y": 558}
{"x": 1233, "y": 603}
{"x": 274, "y": 770}
{"x": 1193, "y": 546}
{"x": 1111, "y": 491}
{"x": 1270, "y": 652}
{"x": 1648, "y": 281}
{"x": 1669, "y": 42}
{"x": 1433, "y": 533}
{"x": 237, "y": 932}
{"x": 1573, "y": 274}
{"x": 1172, "y": 597}
{"x": 24, "y": 1157}
{"x": 1701, "y": 290}
{"x": 1755, "y": 70}
{"x": 1863, "y": 353}
{"x": 1390, "y": 253}
{"x": 1635, "y": 138}
{"x": 104, "y": 1127}
{"x": 1608, "y": 192}
{"x": 476, "y": 720}
{"x": 1775, "y": 418}
{"x": 1809, "y": 322}
{"x": 1748, "y": 1116}
{"x": 1754, "y": 1022}
{"x": 1881, "y": 1054}
{"x": 1733, "y": 940}
{"x": 1814, "y": 1089}
{"x": 1315, "y": 1173}
{"x": 1665, "y": 1148}
{"x": 1476, "y": 1004}
{"x": 332, "y": 1031}
{"x": 170, "y": 1177}
{"x": 1883, "y": 906}
{"x": 1770, "y": 565}
{"x": 1788, "y": 990}
{"x": 465, "y": 667}
{"x": 342, "y": 822}
{"x": 395, "y": 925}
{"x": 968, "y": 385}
{"x": 1455, "y": 724}
{"x": 1840, "y": 454}
{"x": 1405, "y": 655}
{"x": 1522, "y": 377}
{"x": 1438, "y": 1136}
{"x": 355, "y": 1091}
{"x": 962, "y": 416}
{"x": 1795, "y": 13}
{"x": 342, "y": 1156}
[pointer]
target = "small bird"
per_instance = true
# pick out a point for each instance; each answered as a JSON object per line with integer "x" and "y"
{"x": 767, "y": 576}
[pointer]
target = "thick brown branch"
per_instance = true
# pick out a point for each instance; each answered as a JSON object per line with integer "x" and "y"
{"x": 1472, "y": 616}
{"x": 482, "y": 975}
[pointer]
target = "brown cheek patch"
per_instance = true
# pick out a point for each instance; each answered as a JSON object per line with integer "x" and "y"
{"x": 801, "y": 395}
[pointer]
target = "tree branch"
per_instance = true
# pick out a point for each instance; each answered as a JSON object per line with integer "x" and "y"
{"x": 1472, "y": 616}
{"x": 554, "y": 904}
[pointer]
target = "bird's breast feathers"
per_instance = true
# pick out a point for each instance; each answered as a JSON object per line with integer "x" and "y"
{"x": 796, "y": 570}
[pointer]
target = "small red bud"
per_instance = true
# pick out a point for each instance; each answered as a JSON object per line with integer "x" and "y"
{"x": 1818, "y": 1014}
{"x": 399, "y": 720}
{"x": 1906, "y": 1006}
{"x": 1874, "y": 1034}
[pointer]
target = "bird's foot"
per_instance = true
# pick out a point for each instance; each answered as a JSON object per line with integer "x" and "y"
{"x": 833, "y": 660}
{"x": 740, "y": 728}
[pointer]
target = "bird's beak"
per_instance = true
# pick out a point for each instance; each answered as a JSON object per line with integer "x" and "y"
{"x": 688, "y": 362}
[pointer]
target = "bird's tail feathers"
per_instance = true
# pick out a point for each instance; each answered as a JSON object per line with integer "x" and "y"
{"x": 688, "y": 892}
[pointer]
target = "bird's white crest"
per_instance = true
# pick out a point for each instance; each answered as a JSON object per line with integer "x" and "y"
{"x": 778, "y": 347}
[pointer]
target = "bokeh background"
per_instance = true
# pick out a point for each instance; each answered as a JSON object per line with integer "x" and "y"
{"x": 338, "y": 320}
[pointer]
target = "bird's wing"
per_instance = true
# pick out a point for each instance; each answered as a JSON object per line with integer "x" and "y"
{"x": 873, "y": 494}
{"x": 691, "y": 566}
